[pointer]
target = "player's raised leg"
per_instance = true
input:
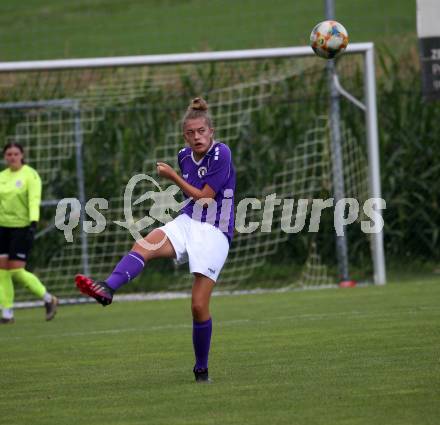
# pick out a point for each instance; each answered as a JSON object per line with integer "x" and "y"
{"x": 202, "y": 324}
{"x": 130, "y": 266}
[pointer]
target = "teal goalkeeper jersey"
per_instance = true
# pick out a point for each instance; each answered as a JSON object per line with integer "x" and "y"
{"x": 20, "y": 197}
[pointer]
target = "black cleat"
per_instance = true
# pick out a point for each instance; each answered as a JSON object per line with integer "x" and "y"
{"x": 5, "y": 321}
{"x": 98, "y": 290}
{"x": 202, "y": 376}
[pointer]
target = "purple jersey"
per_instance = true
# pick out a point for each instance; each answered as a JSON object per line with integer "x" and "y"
{"x": 217, "y": 171}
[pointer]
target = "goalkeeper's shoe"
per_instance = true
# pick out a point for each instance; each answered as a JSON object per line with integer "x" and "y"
{"x": 7, "y": 321}
{"x": 51, "y": 308}
{"x": 98, "y": 290}
{"x": 202, "y": 376}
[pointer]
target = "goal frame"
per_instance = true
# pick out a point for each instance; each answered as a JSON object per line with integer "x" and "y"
{"x": 369, "y": 107}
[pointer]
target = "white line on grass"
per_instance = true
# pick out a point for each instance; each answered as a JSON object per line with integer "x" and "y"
{"x": 252, "y": 322}
{"x": 160, "y": 296}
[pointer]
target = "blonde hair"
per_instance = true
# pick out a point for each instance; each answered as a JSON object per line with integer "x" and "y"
{"x": 198, "y": 108}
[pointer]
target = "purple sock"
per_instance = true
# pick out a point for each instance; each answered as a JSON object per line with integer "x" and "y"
{"x": 127, "y": 269}
{"x": 202, "y": 340}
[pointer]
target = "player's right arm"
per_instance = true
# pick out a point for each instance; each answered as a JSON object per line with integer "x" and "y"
{"x": 164, "y": 170}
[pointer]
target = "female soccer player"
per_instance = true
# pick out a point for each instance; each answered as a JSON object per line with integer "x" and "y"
{"x": 20, "y": 197}
{"x": 200, "y": 235}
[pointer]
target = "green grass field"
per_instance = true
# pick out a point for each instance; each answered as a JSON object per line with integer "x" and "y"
{"x": 368, "y": 355}
{"x": 40, "y": 29}
{"x": 359, "y": 356}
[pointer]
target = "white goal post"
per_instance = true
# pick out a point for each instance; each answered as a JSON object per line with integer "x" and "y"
{"x": 368, "y": 106}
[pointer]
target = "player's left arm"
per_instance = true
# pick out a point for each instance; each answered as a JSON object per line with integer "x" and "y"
{"x": 34, "y": 196}
{"x": 219, "y": 169}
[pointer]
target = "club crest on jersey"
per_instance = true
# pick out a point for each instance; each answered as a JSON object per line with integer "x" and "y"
{"x": 202, "y": 171}
{"x": 18, "y": 183}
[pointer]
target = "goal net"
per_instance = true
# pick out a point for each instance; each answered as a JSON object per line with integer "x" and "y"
{"x": 89, "y": 128}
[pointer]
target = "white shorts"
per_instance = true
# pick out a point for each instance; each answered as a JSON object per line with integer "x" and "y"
{"x": 202, "y": 244}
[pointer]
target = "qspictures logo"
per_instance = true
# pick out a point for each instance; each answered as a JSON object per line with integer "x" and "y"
{"x": 346, "y": 211}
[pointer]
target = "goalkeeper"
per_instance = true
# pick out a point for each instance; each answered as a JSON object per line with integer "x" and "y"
{"x": 20, "y": 197}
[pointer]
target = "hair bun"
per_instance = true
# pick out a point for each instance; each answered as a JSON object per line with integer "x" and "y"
{"x": 198, "y": 104}
{"x": 198, "y": 108}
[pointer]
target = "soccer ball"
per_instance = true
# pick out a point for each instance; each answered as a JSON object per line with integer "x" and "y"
{"x": 328, "y": 39}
